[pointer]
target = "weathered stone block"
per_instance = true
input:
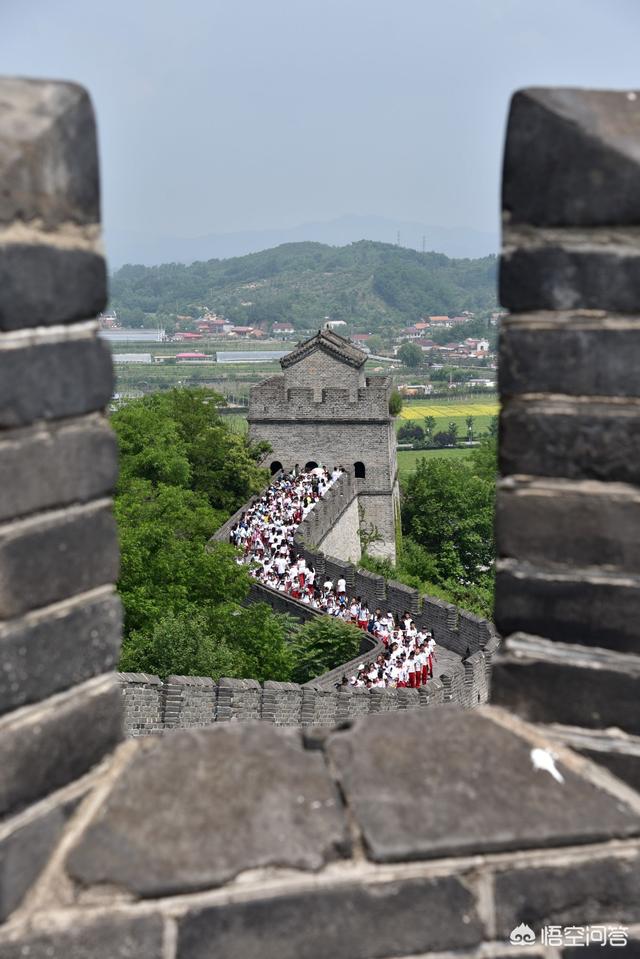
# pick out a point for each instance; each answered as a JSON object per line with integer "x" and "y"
{"x": 48, "y": 153}
{"x": 598, "y": 130}
{"x": 44, "y": 747}
{"x": 57, "y": 647}
{"x": 447, "y": 799}
{"x": 570, "y": 689}
{"x": 575, "y": 356}
{"x": 222, "y": 779}
{"x": 355, "y": 921}
{"x": 592, "y": 609}
{"x": 555, "y": 277}
{"x": 53, "y": 380}
{"x": 624, "y": 765}
{"x": 55, "y": 464}
{"x": 605, "y": 890}
{"x": 41, "y": 285}
{"x": 25, "y": 850}
{"x": 576, "y": 439}
{"x": 109, "y": 937}
{"x": 48, "y": 558}
{"x": 556, "y": 523}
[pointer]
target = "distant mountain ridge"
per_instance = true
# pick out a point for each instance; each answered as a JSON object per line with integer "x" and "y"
{"x": 151, "y": 250}
{"x": 374, "y": 287}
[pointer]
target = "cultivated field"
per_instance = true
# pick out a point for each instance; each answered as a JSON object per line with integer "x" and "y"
{"x": 445, "y": 411}
{"x": 449, "y": 410}
{"x": 408, "y": 459}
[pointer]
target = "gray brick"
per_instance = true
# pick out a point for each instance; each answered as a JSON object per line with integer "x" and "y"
{"x": 49, "y": 651}
{"x": 589, "y": 608}
{"x": 49, "y": 558}
{"x": 562, "y": 145}
{"x": 605, "y": 890}
{"x": 423, "y": 785}
{"x": 557, "y": 278}
{"x": 221, "y": 779}
{"x": 53, "y": 380}
{"x": 71, "y": 285}
{"x": 576, "y": 439}
{"x": 107, "y": 937}
{"x": 572, "y": 689}
{"x": 48, "y": 154}
{"x": 25, "y": 850}
{"x": 574, "y": 356}
{"x": 56, "y": 464}
{"x": 359, "y": 921}
{"x": 551, "y": 522}
{"x": 44, "y": 747}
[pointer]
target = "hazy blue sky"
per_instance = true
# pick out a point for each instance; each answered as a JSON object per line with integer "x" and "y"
{"x": 247, "y": 114}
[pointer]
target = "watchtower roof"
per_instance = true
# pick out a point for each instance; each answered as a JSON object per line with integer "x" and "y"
{"x": 331, "y": 343}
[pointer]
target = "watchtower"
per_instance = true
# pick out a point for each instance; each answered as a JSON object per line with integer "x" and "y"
{"x": 324, "y": 409}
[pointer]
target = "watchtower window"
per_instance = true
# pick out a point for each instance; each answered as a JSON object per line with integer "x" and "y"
{"x": 275, "y": 467}
{"x": 359, "y": 470}
{"x": 310, "y": 466}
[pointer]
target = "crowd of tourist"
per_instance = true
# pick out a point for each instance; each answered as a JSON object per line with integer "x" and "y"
{"x": 265, "y": 536}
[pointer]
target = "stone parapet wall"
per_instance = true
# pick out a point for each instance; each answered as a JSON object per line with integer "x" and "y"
{"x": 185, "y": 702}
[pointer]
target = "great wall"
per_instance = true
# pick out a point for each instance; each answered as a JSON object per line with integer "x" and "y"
{"x": 420, "y": 833}
{"x": 466, "y": 644}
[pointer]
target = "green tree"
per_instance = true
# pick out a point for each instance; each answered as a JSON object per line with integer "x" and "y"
{"x": 410, "y": 355}
{"x": 429, "y": 426}
{"x": 448, "y": 511}
{"x": 453, "y": 430}
{"x": 322, "y": 644}
{"x": 469, "y": 421}
{"x": 395, "y": 403}
{"x": 410, "y": 432}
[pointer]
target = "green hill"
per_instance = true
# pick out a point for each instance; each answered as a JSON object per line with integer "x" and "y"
{"x": 373, "y": 286}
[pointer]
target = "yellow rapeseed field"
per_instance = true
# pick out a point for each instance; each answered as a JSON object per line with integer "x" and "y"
{"x": 447, "y": 411}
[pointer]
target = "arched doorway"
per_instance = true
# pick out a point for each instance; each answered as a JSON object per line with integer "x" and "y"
{"x": 359, "y": 470}
{"x": 275, "y": 467}
{"x": 310, "y": 466}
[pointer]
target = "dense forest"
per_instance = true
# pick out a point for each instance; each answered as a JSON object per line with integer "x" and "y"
{"x": 372, "y": 286}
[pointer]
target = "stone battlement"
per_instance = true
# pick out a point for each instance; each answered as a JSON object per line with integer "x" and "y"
{"x": 185, "y": 702}
{"x": 272, "y": 400}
